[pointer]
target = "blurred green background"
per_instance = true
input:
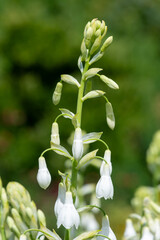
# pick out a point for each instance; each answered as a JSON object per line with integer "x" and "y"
{"x": 39, "y": 40}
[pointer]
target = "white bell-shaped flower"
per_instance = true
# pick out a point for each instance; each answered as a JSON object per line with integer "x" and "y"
{"x": 106, "y": 230}
{"x": 129, "y": 231}
{"x": 77, "y": 147}
{"x": 104, "y": 187}
{"x": 107, "y": 157}
{"x": 43, "y": 176}
{"x": 60, "y": 199}
{"x": 68, "y": 215}
{"x": 146, "y": 234}
{"x": 89, "y": 222}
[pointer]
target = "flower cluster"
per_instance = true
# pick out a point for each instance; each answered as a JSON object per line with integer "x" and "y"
{"x": 70, "y": 203}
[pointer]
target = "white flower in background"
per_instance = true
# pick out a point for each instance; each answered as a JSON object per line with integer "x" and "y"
{"x": 60, "y": 199}
{"x": 68, "y": 215}
{"x": 129, "y": 231}
{"x": 104, "y": 187}
{"x": 106, "y": 230}
{"x": 157, "y": 229}
{"x": 23, "y": 237}
{"x": 146, "y": 234}
{"x": 40, "y": 236}
{"x": 77, "y": 147}
{"x": 107, "y": 157}
{"x": 55, "y": 134}
{"x": 89, "y": 222}
{"x": 43, "y": 176}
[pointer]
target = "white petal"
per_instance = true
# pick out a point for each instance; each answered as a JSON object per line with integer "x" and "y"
{"x": 68, "y": 215}
{"x": 129, "y": 230}
{"x": 104, "y": 187}
{"x": 105, "y": 169}
{"x": 146, "y": 234}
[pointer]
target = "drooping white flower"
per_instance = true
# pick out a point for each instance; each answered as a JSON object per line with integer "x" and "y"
{"x": 146, "y": 234}
{"x": 89, "y": 222}
{"x": 107, "y": 157}
{"x": 68, "y": 215}
{"x": 106, "y": 230}
{"x": 77, "y": 147}
{"x": 129, "y": 231}
{"x": 104, "y": 187}
{"x": 60, "y": 199}
{"x": 43, "y": 176}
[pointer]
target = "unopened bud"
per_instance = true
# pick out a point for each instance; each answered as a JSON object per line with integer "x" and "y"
{"x": 41, "y": 217}
{"x": 77, "y": 147}
{"x": 109, "y": 82}
{"x": 89, "y": 33}
{"x": 93, "y": 94}
{"x": 55, "y": 134}
{"x": 106, "y": 44}
{"x": 57, "y": 93}
{"x": 96, "y": 44}
{"x": 43, "y": 176}
{"x": 12, "y": 226}
{"x": 110, "y": 115}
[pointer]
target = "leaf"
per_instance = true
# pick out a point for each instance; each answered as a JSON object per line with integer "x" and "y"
{"x": 74, "y": 121}
{"x": 91, "y": 137}
{"x": 92, "y": 72}
{"x": 93, "y": 94}
{"x": 87, "y": 235}
{"x": 80, "y": 64}
{"x": 49, "y": 234}
{"x": 88, "y": 157}
{"x": 69, "y": 79}
{"x": 110, "y": 115}
{"x": 68, "y": 114}
{"x": 96, "y": 57}
{"x": 60, "y": 150}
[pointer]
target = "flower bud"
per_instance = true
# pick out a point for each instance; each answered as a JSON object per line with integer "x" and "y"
{"x": 43, "y": 176}
{"x": 77, "y": 147}
{"x": 57, "y": 93}
{"x": 41, "y": 217}
{"x": 96, "y": 44}
{"x": 109, "y": 82}
{"x": 106, "y": 44}
{"x": 110, "y": 115}
{"x": 55, "y": 134}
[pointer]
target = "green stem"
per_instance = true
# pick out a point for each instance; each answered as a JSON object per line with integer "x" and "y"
{"x": 94, "y": 206}
{"x": 101, "y": 235}
{"x": 79, "y": 117}
{"x": 74, "y": 174}
{"x": 67, "y": 234}
{"x": 3, "y": 233}
{"x": 80, "y": 94}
